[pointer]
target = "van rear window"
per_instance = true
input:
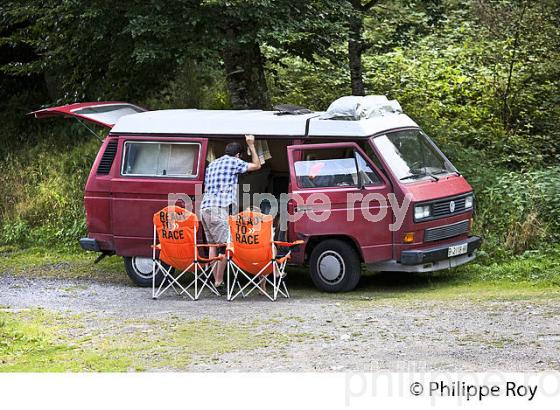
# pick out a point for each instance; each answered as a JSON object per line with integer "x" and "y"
{"x": 160, "y": 159}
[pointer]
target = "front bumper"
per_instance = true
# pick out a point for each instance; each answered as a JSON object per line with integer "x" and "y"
{"x": 431, "y": 259}
{"x": 438, "y": 253}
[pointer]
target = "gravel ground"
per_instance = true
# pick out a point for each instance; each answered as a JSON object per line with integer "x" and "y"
{"x": 342, "y": 333}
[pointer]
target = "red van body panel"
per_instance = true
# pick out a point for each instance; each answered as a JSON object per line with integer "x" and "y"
{"x": 97, "y": 202}
{"x": 104, "y": 113}
{"x": 372, "y": 240}
{"x": 119, "y": 207}
{"x": 425, "y": 191}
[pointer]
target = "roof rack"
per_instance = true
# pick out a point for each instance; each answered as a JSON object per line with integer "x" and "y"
{"x": 289, "y": 109}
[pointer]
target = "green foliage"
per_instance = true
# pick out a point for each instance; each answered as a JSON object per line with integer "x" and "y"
{"x": 532, "y": 267}
{"x": 33, "y": 344}
{"x": 293, "y": 78}
{"x": 519, "y": 211}
{"x": 42, "y": 191}
{"x": 196, "y": 85}
{"x": 41, "y": 341}
{"x": 128, "y": 49}
{"x": 452, "y": 80}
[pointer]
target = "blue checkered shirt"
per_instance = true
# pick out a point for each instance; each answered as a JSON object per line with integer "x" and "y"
{"x": 220, "y": 183}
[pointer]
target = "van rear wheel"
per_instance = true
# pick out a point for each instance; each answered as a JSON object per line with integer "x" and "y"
{"x": 335, "y": 266}
{"x": 139, "y": 269}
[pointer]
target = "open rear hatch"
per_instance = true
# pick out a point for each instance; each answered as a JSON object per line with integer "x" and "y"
{"x": 105, "y": 114}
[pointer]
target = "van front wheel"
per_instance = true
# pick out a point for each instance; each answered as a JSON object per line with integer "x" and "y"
{"x": 334, "y": 266}
{"x": 139, "y": 269}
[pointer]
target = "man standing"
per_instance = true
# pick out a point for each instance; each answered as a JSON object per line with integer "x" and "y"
{"x": 220, "y": 192}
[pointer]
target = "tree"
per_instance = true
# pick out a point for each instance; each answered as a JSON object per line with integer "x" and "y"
{"x": 404, "y": 20}
{"x": 239, "y": 29}
{"x": 356, "y": 43}
{"x": 91, "y": 50}
{"x": 525, "y": 40}
{"x": 98, "y": 49}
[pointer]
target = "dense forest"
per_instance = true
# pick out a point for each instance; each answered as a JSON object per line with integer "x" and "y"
{"x": 481, "y": 77}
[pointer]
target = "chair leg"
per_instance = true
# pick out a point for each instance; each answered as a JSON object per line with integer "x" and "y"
{"x": 196, "y": 294}
{"x": 158, "y": 291}
{"x": 172, "y": 282}
{"x": 282, "y": 276}
{"x": 229, "y": 290}
{"x": 254, "y": 282}
{"x": 153, "y": 278}
{"x": 275, "y": 279}
{"x": 206, "y": 281}
{"x": 231, "y": 286}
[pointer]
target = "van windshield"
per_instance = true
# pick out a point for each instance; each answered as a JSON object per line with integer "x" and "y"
{"x": 412, "y": 156}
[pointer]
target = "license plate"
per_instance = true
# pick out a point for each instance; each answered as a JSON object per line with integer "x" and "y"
{"x": 457, "y": 250}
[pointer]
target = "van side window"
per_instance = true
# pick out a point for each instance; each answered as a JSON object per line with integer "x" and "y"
{"x": 326, "y": 168}
{"x": 160, "y": 159}
{"x": 333, "y": 168}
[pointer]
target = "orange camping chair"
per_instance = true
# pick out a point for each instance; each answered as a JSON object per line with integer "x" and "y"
{"x": 176, "y": 229}
{"x": 251, "y": 253}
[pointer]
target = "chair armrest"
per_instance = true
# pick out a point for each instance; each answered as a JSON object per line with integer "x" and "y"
{"x": 215, "y": 258}
{"x": 288, "y": 244}
{"x": 211, "y": 245}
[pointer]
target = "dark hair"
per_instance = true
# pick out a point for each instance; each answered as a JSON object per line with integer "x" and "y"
{"x": 233, "y": 148}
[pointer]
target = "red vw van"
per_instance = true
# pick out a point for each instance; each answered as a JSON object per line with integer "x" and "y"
{"x": 410, "y": 209}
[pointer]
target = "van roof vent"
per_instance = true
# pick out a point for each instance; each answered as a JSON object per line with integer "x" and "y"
{"x": 107, "y": 159}
{"x": 288, "y": 109}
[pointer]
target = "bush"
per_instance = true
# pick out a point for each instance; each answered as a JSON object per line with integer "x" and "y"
{"x": 42, "y": 188}
{"x": 519, "y": 211}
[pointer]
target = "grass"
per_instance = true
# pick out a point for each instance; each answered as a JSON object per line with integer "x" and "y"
{"x": 30, "y": 341}
{"x": 67, "y": 263}
{"x": 533, "y": 275}
{"x": 37, "y": 341}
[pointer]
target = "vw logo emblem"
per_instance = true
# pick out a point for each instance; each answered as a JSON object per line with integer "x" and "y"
{"x": 452, "y": 206}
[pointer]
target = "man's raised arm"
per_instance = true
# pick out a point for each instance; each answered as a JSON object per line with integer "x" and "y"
{"x": 255, "y": 162}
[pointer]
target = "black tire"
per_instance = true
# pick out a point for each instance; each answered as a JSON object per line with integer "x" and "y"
{"x": 334, "y": 266}
{"x": 139, "y": 270}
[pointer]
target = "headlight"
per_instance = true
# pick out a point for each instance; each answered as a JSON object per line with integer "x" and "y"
{"x": 422, "y": 212}
{"x": 468, "y": 202}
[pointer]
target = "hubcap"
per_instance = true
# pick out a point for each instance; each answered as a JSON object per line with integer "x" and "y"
{"x": 143, "y": 266}
{"x": 331, "y": 267}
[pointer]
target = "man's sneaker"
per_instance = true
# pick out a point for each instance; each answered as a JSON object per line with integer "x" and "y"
{"x": 222, "y": 290}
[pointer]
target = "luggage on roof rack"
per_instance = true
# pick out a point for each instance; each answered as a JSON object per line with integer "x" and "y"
{"x": 354, "y": 107}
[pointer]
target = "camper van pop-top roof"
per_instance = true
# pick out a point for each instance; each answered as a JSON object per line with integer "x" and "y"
{"x": 350, "y": 116}
{"x": 381, "y": 115}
